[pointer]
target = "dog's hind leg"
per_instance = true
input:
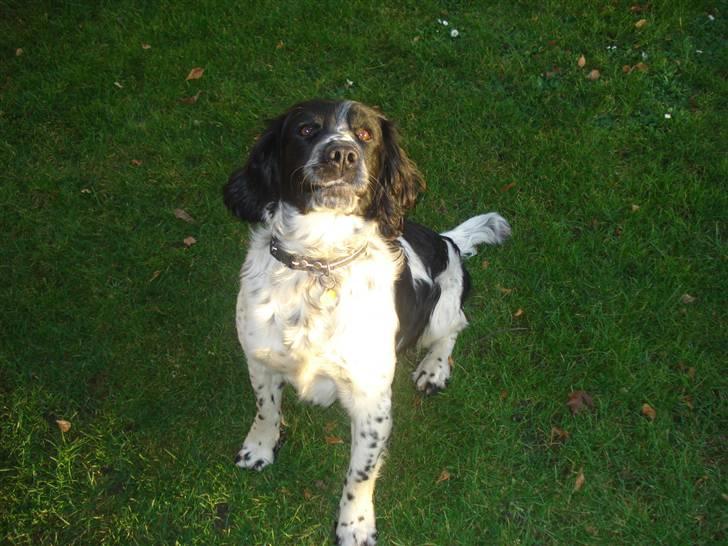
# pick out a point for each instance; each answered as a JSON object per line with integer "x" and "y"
{"x": 446, "y": 322}
{"x": 263, "y": 439}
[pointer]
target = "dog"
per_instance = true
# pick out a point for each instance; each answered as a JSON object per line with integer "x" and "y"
{"x": 336, "y": 282}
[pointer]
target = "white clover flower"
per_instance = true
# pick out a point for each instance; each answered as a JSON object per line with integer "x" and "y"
{"x": 444, "y": 23}
{"x": 711, "y": 17}
{"x": 668, "y": 115}
{"x": 454, "y": 33}
{"x": 644, "y": 55}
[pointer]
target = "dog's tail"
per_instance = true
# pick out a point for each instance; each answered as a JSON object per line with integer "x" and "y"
{"x": 491, "y": 229}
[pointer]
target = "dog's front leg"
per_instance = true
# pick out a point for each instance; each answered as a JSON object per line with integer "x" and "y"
{"x": 371, "y": 422}
{"x": 262, "y": 440}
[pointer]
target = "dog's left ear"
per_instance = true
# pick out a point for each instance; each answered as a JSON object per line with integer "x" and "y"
{"x": 252, "y": 192}
{"x": 399, "y": 184}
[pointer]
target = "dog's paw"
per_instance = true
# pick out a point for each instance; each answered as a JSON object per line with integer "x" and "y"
{"x": 259, "y": 451}
{"x": 432, "y": 375}
{"x": 356, "y": 533}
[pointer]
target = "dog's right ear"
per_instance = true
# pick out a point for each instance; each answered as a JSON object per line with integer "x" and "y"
{"x": 252, "y": 192}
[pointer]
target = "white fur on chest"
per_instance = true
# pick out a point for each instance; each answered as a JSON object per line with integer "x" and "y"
{"x": 321, "y": 342}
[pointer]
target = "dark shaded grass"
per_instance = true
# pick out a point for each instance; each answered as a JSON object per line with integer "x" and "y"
{"x": 111, "y": 323}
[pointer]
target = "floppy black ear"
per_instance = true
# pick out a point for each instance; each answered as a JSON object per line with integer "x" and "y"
{"x": 254, "y": 190}
{"x": 399, "y": 184}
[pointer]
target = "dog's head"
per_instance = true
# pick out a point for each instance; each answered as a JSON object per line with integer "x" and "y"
{"x": 327, "y": 155}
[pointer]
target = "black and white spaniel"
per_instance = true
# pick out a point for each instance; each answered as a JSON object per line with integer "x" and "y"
{"x": 336, "y": 282}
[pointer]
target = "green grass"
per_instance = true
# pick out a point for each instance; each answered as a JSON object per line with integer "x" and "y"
{"x": 109, "y": 322}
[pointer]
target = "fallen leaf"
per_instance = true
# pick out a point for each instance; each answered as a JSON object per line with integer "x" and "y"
{"x": 19, "y": 52}
{"x": 189, "y": 241}
{"x": 183, "y": 215}
{"x": 687, "y": 400}
{"x": 626, "y": 69}
{"x": 154, "y": 275}
{"x": 146, "y": 46}
{"x": 593, "y": 75}
{"x": 636, "y": 8}
{"x": 505, "y": 291}
{"x": 136, "y": 162}
{"x": 485, "y": 264}
{"x": 63, "y": 425}
{"x": 519, "y": 313}
{"x": 641, "y": 67}
{"x": 307, "y": 494}
{"x": 444, "y": 476}
{"x": 649, "y": 412}
{"x": 333, "y": 440}
{"x": 280, "y": 45}
{"x": 503, "y": 394}
{"x": 450, "y": 362}
{"x": 190, "y": 100}
{"x": 559, "y": 435}
{"x": 579, "y": 401}
{"x": 195, "y": 74}
{"x": 320, "y": 484}
{"x": 329, "y": 427}
{"x": 581, "y": 62}
{"x": 580, "y": 480}
{"x": 687, "y": 299}
{"x": 507, "y": 187}
{"x": 641, "y": 23}
{"x": 635, "y": 208}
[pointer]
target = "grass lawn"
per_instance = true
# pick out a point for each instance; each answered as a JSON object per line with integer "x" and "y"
{"x": 613, "y": 175}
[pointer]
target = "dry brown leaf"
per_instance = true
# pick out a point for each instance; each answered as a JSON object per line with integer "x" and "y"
{"x": 190, "y": 100}
{"x": 19, "y": 52}
{"x": 687, "y": 400}
{"x": 450, "y": 362}
{"x": 641, "y": 23}
{"x": 146, "y": 46}
{"x": 687, "y": 299}
{"x": 626, "y": 69}
{"x": 189, "y": 241}
{"x": 444, "y": 476}
{"x": 635, "y": 208}
{"x": 580, "y": 480}
{"x": 195, "y": 74}
{"x": 136, "y": 162}
{"x": 503, "y": 394}
{"x": 329, "y": 427}
{"x": 559, "y": 435}
{"x": 333, "y": 440}
{"x": 519, "y": 313}
{"x": 154, "y": 275}
{"x": 505, "y": 291}
{"x": 593, "y": 75}
{"x": 485, "y": 264}
{"x": 183, "y": 215}
{"x": 581, "y": 62}
{"x": 307, "y": 494}
{"x": 507, "y": 187}
{"x": 280, "y": 44}
{"x": 63, "y": 425}
{"x": 579, "y": 401}
{"x": 641, "y": 67}
{"x": 649, "y": 412}
{"x": 636, "y": 8}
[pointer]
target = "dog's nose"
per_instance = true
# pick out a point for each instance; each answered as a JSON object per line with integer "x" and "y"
{"x": 342, "y": 155}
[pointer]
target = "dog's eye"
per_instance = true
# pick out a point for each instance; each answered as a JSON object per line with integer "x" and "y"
{"x": 306, "y": 130}
{"x": 363, "y": 135}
